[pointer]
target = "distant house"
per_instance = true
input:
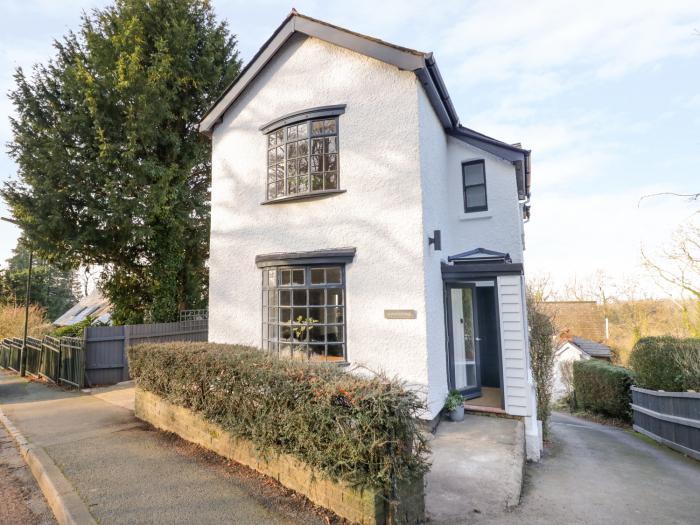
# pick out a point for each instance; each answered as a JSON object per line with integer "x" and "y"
{"x": 585, "y": 347}
{"x": 582, "y": 330}
{"x": 569, "y": 351}
{"x": 92, "y": 305}
{"x": 347, "y": 196}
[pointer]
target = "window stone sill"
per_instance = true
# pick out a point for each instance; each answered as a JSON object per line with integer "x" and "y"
{"x": 475, "y": 216}
{"x": 303, "y": 197}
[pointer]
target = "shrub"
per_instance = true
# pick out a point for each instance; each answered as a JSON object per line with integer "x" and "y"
{"x": 667, "y": 363}
{"x": 542, "y": 349}
{"x": 603, "y": 388}
{"x": 77, "y": 329}
{"x": 12, "y": 320}
{"x": 357, "y": 429}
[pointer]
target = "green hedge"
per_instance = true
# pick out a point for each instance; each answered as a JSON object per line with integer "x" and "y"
{"x": 666, "y": 363}
{"x": 360, "y": 430}
{"x": 602, "y": 388}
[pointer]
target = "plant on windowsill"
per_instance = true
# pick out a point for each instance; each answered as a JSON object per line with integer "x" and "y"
{"x": 454, "y": 405}
{"x": 302, "y": 330}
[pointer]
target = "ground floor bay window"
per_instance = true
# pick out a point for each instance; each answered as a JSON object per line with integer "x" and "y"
{"x": 303, "y": 311}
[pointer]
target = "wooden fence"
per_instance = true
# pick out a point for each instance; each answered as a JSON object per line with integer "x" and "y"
{"x": 99, "y": 358}
{"x": 9, "y": 353}
{"x": 671, "y": 418}
{"x": 106, "y": 345}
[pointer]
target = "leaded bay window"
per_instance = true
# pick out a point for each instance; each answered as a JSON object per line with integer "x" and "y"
{"x": 302, "y": 158}
{"x": 304, "y": 312}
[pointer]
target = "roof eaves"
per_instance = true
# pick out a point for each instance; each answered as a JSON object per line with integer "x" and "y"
{"x": 379, "y": 41}
{"x": 278, "y": 37}
{"x": 470, "y": 133}
{"x": 401, "y": 57}
{"x": 439, "y": 84}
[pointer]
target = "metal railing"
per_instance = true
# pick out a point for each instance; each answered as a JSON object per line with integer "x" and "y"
{"x": 51, "y": 362}
{"x": 194, "y": 315}
{"x": 72, "y": 369}
{"x": 5, "y": 353}
{"x": 15, "y": 353}
{"x": 34, "y": 351}
{"x": 61, "y": 360}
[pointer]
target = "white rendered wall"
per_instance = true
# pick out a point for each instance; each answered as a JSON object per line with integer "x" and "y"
{"x": 500, "y": 228}
{"x": 436, "y": 216}
{"x": 380, "y": 214}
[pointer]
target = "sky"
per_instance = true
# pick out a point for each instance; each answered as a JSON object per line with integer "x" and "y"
{"x": 605, "y": 94}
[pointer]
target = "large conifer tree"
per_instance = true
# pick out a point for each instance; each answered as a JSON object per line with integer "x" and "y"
{"x": 112, "y": 170}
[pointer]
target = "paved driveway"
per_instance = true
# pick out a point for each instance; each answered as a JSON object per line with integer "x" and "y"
{"x": 597, "y": 474}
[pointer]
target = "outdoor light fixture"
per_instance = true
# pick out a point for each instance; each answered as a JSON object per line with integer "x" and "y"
{"x": 435, "y": 240}
{"x": 23, "y": 350}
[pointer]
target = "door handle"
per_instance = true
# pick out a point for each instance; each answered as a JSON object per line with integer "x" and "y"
{"x": 478, "y": 339}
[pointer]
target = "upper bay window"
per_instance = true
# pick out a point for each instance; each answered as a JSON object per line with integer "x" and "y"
{"x": 302, "y": 154}
{"x": 474, "y": 186}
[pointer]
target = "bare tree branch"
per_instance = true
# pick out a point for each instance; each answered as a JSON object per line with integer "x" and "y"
{"x": 689, "y": 196}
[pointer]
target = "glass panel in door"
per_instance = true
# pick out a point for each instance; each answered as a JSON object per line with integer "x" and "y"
{"x": 464, "y": 344}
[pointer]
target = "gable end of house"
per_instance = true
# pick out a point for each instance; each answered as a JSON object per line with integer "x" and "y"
{"x": 421, "y": 63}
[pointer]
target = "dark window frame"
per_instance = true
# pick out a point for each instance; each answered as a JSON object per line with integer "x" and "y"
{"x": 280, "y": 185}
{"x": 272, "y": 297}
{"x": 485, "y": 206}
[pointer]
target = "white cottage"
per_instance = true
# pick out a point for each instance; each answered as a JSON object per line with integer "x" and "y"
{"x": 355, "y": 220}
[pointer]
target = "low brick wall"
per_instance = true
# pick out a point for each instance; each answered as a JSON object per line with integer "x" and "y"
{"x": 360, "y": 506}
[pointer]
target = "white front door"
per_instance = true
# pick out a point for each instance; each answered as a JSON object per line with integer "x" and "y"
{"x": 463, "y": 339}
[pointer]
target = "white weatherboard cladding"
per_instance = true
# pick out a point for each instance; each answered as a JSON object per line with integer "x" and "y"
{"x": 519, "y": 388}
{"x": 379, "y": 215}
{"x": 513, "y": 344}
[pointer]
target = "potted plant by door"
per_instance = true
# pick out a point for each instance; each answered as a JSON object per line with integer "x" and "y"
{"x": 454, "y": 405}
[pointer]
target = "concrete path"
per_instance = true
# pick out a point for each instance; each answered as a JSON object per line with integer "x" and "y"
{"x": 599, "y": 474}
{"x": 127, "y": 473}
{"x": 21, "y": 500}
{"x": 477, "y": 466}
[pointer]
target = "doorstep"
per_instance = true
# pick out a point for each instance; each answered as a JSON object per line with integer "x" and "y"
{"x": 489, "y": 411}
{"x": 478, "y": 409}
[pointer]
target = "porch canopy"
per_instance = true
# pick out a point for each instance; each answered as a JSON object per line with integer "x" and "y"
{"x": 479, "y": 262}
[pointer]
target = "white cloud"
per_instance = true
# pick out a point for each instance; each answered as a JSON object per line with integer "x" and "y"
{"x": 500, "y": 41}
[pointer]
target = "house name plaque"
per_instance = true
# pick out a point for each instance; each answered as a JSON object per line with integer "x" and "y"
{"x": 400, "y": 314}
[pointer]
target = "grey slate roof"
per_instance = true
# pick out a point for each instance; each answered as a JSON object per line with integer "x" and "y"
{"x": 479, "y": 254}
{"x": 592, "y": 348}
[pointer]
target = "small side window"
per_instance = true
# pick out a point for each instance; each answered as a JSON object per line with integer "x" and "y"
{"x": 474, "y": 186}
